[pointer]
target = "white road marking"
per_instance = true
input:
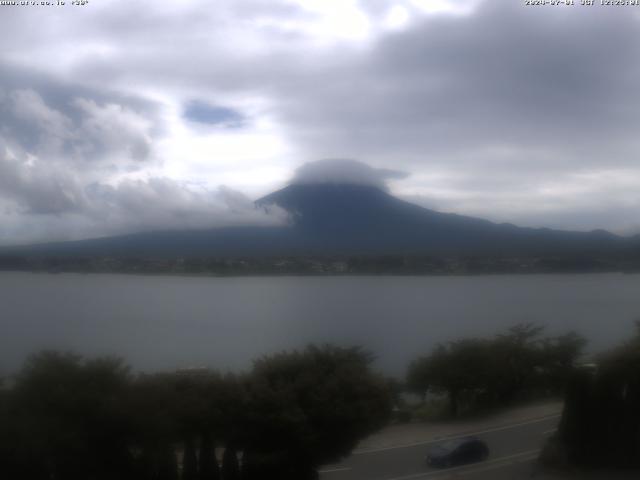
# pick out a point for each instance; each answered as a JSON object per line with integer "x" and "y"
{"x": 466, "y": 469}
{"x": 453, "y": 437}
{"x": 553, "y": 430}
{"x": 333, "y": 470}
{"x": 522, "y": 459}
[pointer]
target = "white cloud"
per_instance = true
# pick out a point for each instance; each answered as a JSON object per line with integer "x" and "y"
{"x": 54, "y": 128}
{"x": 87, "y": 168}
{"x": 344, "y": 171}
{"x": 112, "y": 128}
{"x": 32, "y": 186}
{"x": 463, "y": 94}
{"x": 397, "y": 17}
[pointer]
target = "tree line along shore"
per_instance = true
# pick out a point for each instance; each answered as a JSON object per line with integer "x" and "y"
{"x": 63, "y": 416}
{"x": 323, "y": 265}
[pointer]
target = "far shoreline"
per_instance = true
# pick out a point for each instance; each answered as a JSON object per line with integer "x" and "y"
{"x": 170, "y": 274}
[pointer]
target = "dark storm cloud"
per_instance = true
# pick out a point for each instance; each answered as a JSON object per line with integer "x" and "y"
{"x": 504, "y": 88}
{"x": 555, "y": 86}
{"x": 546, "y": 84}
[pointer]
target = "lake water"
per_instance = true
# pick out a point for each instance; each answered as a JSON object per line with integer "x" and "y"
{"x": 170, "y": 322}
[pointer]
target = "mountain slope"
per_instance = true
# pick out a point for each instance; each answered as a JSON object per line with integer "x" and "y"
{"x": 345, "y": 219}
{"x": 356, "y": 217}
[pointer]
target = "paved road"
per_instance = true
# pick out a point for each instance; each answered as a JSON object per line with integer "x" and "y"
{"x": 513, "y": 450}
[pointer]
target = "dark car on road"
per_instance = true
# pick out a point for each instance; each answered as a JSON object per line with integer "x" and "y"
{"x": 460, "y": 451}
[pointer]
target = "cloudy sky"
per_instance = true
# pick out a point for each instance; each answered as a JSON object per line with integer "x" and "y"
{"x": 120, "y": 116}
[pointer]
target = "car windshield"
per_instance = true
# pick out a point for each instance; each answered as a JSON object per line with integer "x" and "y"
{"x": 451, "y": 445}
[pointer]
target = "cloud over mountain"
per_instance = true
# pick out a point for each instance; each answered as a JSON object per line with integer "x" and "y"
{"x": 490, "y": 120}
{"x": 340, "y": 171}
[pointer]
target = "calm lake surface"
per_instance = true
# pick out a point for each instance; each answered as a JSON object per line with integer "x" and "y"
{"x": 157, "y": 322}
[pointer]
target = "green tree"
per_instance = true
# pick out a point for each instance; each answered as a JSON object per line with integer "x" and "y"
{"x": 69, "y": 417}
{"x": 458, "y": 369}
{"x": 230, "y": 466}
{"x": 418, "y": 378}
{"x": 166, "y": 464}
{"x": 559, "y": 356}
{"x": 479, "y": 372}
{"x": 153, "y": 404}
{"x": 600, "y": 425}
{"x": 190, "y": 461}
{"x": 516, "y": 355}
{"x": 311, "y": 407}
{"x": 207, "y": 461}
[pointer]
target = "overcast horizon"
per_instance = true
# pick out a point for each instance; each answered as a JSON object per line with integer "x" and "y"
{"x": 119, "y": 116}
